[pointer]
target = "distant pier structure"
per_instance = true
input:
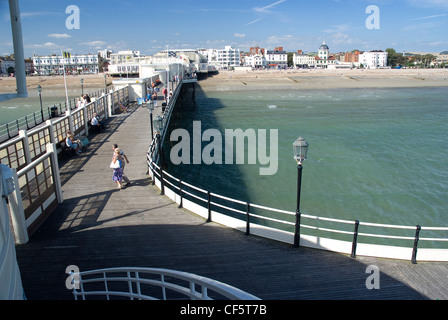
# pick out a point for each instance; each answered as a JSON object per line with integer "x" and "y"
{"x": 16, "y": 26}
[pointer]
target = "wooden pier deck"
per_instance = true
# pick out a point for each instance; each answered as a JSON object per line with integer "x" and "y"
{"x": 99, "y": 226}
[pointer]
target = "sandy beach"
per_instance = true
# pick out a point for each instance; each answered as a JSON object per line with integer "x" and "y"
{"x": 267, "y": 79}
{"x": 95, "y": 82}
{"x": 326, "y": 79}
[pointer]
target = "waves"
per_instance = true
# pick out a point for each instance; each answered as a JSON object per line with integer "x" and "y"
{"x": 376, "y": 155}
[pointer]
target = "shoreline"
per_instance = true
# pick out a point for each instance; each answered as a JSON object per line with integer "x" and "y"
{"x": 298, "y": 79}
{"x": 326, "y": 79}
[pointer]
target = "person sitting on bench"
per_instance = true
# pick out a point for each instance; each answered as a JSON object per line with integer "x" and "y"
{"x": 96, "y": 122}
{"x": 71, "y": 144}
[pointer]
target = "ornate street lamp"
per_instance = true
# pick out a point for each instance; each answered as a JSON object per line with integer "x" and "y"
{"x": 82, "y": 87}
{"x": 300, "y": 147}
{"x": 158, "y": 124}
{"x": 39, "y": 91}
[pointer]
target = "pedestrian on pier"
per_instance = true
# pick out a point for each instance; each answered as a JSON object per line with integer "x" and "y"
{"x": 154, "y": 98}
{"x": 118, "y": 172}
{"x": 123, "y": 163}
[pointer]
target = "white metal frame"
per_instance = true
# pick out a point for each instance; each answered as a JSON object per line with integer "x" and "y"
{"x": 137, "y": 279}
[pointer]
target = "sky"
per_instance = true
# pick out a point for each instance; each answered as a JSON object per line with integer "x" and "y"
{"x": 149, "y": 26}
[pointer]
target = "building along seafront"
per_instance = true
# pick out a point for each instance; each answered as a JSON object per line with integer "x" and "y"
{"x": 75, "y": 64}
{"x": 134, "y": 65}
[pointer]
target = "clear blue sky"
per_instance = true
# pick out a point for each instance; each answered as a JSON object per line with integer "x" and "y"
{"x": 151, "y": 26}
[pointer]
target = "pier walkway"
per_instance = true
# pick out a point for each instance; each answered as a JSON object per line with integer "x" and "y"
{"x": 99, "y": 226}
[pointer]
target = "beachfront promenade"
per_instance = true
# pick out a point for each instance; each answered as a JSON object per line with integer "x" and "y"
{"x": 99, "y": 226}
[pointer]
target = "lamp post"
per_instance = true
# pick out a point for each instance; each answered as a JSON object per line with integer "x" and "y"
{"x": 150, "y": 106}
{"x": 158, "y": 124}
{"x": 300, "y": 147}
{"x": 39, "y": 91}
{"x": 82, "y": 87}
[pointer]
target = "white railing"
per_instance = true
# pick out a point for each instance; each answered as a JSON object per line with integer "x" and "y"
{"x": 31, "y": 144}
{"x": 12, "y": 129}
{"x": 151, "y": 284}
{"x": 330, "y": 234}
{"x": 33, "y": 158}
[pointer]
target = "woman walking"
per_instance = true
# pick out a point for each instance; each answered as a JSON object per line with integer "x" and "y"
{"x": 118, "y": 172}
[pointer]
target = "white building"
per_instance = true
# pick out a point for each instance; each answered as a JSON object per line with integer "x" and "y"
{"x": 303, "y": 60}
{"x": 105, "y": 54}
{"x": 76, "y": 64}
{"x": 442, "y": 58}
{"x": 124, "y": 69}
{"x": 277, "y": 58}
{"x": 222, "y": 59}
{"x": 324, "y": 59}
{"x": 373, "y": 59}
{"x": 127, "y": 56}
{"x": 256, "y": 61}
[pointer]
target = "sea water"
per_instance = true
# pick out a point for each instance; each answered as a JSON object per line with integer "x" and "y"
{"x": 13, "y": 109}
{"x": 375, "y": 155}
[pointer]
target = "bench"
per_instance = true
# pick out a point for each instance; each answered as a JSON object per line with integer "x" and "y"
{"x": 94, "y": 129}
{"x": 66, "y": 151}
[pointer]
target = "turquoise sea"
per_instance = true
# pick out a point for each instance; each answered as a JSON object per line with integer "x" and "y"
{"x": 375, "y": 155}
{"x": 11, "y": 110}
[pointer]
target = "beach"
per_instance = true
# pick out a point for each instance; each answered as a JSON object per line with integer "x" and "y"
{"x": 327, "y": 79}
{"x": 55, "y": 83}
{"x": 265, "y": 79}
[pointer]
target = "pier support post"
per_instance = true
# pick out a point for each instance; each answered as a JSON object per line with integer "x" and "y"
{"x": 16, "y": 26}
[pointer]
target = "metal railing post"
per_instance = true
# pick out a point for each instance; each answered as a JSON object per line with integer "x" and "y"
{"x": 247, "y": 219}
{"x": 297, "y": 230}
{"x": 180, "y": 194}
{"x": 355, "y": 239}
{"x": 209, "y": 219}
{"x": 162, "y": 183}
{"x": 414, "y": 250}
